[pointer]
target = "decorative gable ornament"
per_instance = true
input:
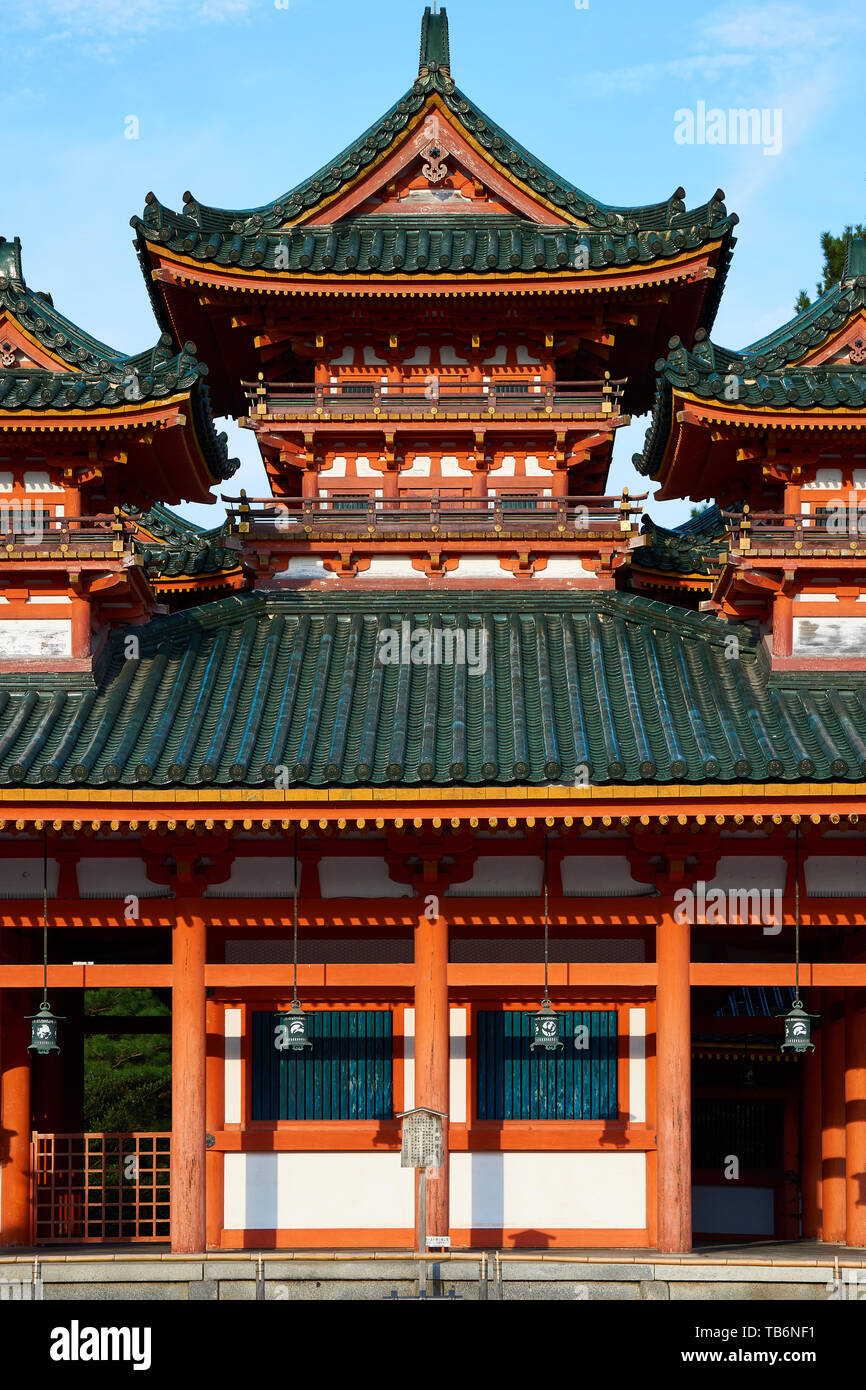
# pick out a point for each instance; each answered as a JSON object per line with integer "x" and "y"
{"x": 435, "y": 170}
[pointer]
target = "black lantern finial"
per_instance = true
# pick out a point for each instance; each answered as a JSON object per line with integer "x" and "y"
{"x": 798, "y": 1023}
{"x": 43, "y": 1025}
{"x": 296, "y": 1034}
{"x": 545, "y": 1023}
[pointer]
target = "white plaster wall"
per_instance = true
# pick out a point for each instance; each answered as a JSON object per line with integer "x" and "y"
{"x": 835, "y": 875}
{"x": 565, "y": 567}
{"x": 451, "y": 467}
{"x": 637, "y": 1065}
{"x": 358, "y": 877}
{"x": 36, "y": 637}
{"x": 502, "y": 874}
{"x": 830, "y": 637}
{"x": 766, "y": 871}
{"x": 39, "y": 481}
{"x": 733, "y": 1210}
{"x": 605, "y": 876}
{"x": 555, "y": 1191}
{"x": 408, "y": 1059}
{"x": 458, "y": 1075}
{"x": 22, "y": 878}
{"x": 365, "y": 469}
{"x": 337, "y": 468}
{"x": 257, "y": 876}
{"x": 390, "y": 567}
{"x": 109, "y": 878}
{"x": 305, "y": 567}
{"x": 318, "y": 1191}
{"x": 418, "y": 468}
{"x": 479, "y": 567}
{"x": 825, "y": 478}
{"x": 233, "y": 1065}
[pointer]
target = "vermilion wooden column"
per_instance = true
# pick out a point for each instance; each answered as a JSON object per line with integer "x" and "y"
{"x": 15, "y": 1005}
{"x": 855, "y": 1115}
{"x": 833, "y": 1201}
{"x": 432, "y": 1043}
{"x": 810, "y": 1144}
{"x": 188, "y": 1219}
{"x": 673, "y": 1085}
{"x": 215, "y": 1115}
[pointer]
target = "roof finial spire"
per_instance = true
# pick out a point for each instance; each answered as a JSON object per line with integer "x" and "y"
{"x": 435, "y": 51}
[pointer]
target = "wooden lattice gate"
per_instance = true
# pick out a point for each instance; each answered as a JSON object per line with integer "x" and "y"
{"x": 101, "y": 1187}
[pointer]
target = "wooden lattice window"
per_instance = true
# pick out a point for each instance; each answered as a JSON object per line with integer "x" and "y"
{"x": 348, "y": 1074}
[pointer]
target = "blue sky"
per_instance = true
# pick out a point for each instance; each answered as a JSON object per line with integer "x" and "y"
{"x": 238, "y": 100}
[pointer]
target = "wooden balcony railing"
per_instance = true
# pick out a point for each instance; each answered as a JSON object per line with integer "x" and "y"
{"x": 433, "y": 514}
{"x": 432, "y": 397}
{"x": 829, "y": 530}
{"x": 28, "y": 529}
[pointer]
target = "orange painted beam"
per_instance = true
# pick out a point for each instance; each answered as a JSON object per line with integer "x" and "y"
{"x": 511, "y": 1137}
{"x": 274, "y": 914}
{"x": 731, "y": 973}
{"x": 86, "y": 976}
{"x": 400, "y": 977}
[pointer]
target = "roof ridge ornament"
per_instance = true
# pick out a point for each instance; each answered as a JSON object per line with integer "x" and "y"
{"x": 435, "y": 44}
{"x": 855, "y": 258}
{"x": 10, "y": 261}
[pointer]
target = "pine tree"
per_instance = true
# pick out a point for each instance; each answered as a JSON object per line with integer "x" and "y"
{"x": 833, "y": 248}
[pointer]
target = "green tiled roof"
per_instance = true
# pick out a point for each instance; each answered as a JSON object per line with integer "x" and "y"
{"x": 694, "y": 547}
{"x": 609, "y": 236}
{"x": 764, "y": 375}
{"x": 99, "y": 377}
{"x": 637, "y": 691}
{"x": 181, "y": 548}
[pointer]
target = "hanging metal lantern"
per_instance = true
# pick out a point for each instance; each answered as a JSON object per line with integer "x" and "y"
{"x": 43, "y": 1029}
{"x": 798, "y": 1029}
{"x": 545, "y": 1024}
{"x": 545, "y": 1029}
{"x": 295, "y": 1034}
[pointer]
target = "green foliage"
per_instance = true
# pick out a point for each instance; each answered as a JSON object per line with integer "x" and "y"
{"x": 127, "y": 1076}
{"x": 833, "y": 249}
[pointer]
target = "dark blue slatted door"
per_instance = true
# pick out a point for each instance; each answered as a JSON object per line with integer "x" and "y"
{"x": 348, "y": 1075}
{"x": 574, "y": 1084}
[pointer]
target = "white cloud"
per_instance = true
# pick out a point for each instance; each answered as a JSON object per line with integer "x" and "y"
{"x": 117, "y": 19}
{"x": 774, "y": 44}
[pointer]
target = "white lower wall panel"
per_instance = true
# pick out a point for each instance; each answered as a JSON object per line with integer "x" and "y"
{"x": 557, "y": 1191}
{"x": 318, "y": 1191}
